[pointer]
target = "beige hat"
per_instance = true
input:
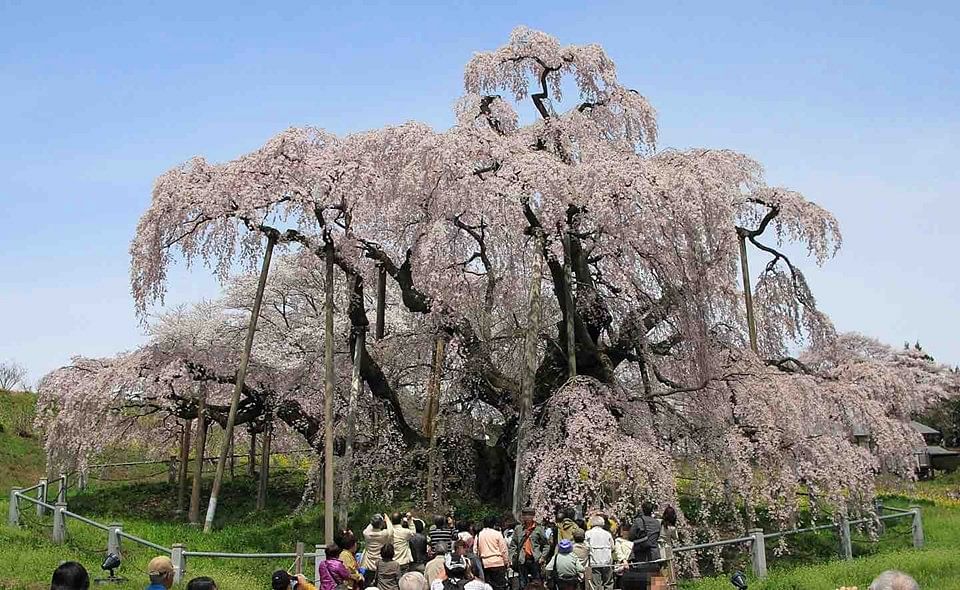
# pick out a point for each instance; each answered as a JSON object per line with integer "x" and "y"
{"x": 160, "y": 566}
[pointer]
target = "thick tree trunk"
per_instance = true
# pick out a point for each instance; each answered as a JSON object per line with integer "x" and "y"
{"x": 431, "y": 416}
{"x": 238, "y": 388}
{"x": 198, "y": 460}
{"x": 184, "y": 462}
{"x": 264, "y": 466}
{"x": 346, "y": 464}
{"x": 328, "y": 401}
{"x": 527, "y": 383}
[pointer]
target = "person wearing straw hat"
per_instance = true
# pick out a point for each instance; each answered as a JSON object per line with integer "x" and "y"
{"x": 160, "y": 570}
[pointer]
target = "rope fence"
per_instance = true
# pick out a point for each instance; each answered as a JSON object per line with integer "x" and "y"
{"x": 21, "y": 498}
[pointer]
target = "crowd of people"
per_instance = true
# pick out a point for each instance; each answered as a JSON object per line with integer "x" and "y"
{"x": 400, "y": 552}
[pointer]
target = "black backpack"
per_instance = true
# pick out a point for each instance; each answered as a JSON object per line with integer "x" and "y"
{"x": 455, "y": 584}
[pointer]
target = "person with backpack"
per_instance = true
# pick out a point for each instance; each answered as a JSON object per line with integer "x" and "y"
{"x": 564, "y": 570}
{"x": 566, "y": 525}
{"x": 458, "y": 576}
{"x": 645, "y": 534}
{"x": 529, "y": 548}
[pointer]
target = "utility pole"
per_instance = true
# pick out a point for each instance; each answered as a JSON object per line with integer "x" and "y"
{"x": 238, "y": 386}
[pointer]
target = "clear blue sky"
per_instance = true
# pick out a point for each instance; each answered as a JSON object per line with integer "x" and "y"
{"x": 853, "y": 103}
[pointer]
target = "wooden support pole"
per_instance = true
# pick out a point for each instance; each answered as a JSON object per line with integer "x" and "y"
{"x": 381, "y": 301}
{"x": 183, "y": 467}
{"x": 328, "y": 399}
{"x": 747, "y": 290}
{"x": 238, "y": 388}
{"x": 570, "y": 307}
{"x": 527, "y": 384}
{"x": 264, "y": 465}
{"x": 346, "y": 466}
{"x": 432, "y": 415}
{"x": 252, "y": 456}
{"x": 195, "y": 490}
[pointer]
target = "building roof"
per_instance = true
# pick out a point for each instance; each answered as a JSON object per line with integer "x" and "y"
{"x": 938, "y": 451}
{"x": 922, "y": 428}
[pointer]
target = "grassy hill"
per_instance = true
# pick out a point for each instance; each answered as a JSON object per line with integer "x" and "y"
{"x": 21, "y": 454}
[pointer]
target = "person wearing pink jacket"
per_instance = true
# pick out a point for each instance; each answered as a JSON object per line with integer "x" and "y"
{"x": 332, "y": 572}
{"x": 491, "y": 546}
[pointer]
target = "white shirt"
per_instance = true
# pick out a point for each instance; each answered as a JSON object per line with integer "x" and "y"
{"x": 471, "y": 585}
{"x": 600, "y": 542}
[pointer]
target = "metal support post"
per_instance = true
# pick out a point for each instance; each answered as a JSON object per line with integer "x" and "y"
{"x": 179, "y": 559}
{"x": 759, "y": 553}
{"x": 59, "y": 523}
{"x": 13, "y": 516}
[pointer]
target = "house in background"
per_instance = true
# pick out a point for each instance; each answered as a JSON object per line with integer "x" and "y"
{"x": 933, "y": 457}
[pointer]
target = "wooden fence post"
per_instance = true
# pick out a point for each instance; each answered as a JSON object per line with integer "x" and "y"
{"x": 846, "y": 543}
{"x": 62, "y": 489}
{"x": 298, "y": 564}
{"x": 759, "y": 553}
{"x": 59, "y": 523}
{"x": 179, "y": 561}
{"x": 917, "y": 527}
{"x": 113, "y": 538}
{"x": 13, "y": 516}
{"x": 42, "y": 496}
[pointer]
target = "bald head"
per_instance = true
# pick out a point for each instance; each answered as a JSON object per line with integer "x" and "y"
{"x": 894, "y": 580}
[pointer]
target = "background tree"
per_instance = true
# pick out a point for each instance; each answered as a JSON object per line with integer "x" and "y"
{"x": 12, "y": 376}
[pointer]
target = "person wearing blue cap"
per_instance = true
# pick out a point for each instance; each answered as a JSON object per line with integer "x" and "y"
{"x": 564, "y": 570}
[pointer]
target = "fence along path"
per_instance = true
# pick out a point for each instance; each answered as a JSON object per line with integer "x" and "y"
{"x": 178, "y": 553}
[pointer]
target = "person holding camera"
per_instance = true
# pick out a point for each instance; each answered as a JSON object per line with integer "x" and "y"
{"x": 282, "y": 580}
{"x": 378, "y": 534}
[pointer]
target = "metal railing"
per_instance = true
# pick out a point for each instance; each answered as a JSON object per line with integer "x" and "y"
{"x": 178, "y": 553}
{"x": 19, "y": 497}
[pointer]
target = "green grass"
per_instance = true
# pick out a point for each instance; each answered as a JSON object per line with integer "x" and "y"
{"x": 936, "y": 567}
{"x": 21, "y": 454}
